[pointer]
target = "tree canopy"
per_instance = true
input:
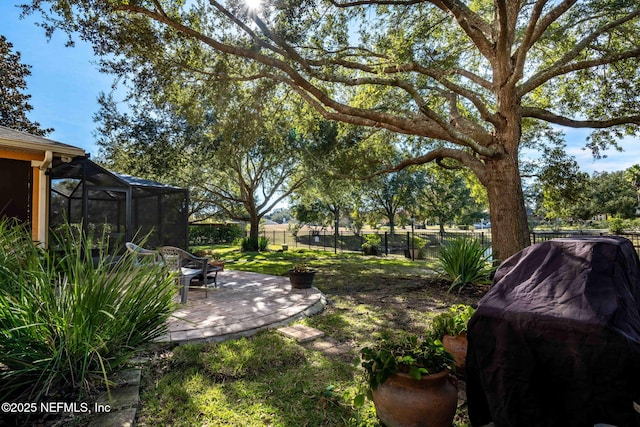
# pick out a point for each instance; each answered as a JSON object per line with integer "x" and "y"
{"x": 465, "y": 77}
{"x": 14, "y": 103}
{"x": 239, "y": 161}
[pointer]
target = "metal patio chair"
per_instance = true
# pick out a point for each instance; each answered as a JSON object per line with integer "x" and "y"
{"x": 189, "y": 268}
{"x": 143, "y": 255}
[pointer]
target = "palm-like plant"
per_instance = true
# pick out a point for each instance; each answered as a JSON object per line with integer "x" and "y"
{"x": 463, "y": 261}
{"x": 65, "y": 322}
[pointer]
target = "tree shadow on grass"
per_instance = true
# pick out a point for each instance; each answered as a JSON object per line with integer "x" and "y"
{"x": 263, "y": 380}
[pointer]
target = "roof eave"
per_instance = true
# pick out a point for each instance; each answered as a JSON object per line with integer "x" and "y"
{"x": 35, "y": 146}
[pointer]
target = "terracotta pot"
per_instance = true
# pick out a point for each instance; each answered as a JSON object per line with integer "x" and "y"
{"x": 402, "y": 401}
{"x": 301, "y": 279}
{"x": 456, "y": 345}
{"x": 217, "y": 264}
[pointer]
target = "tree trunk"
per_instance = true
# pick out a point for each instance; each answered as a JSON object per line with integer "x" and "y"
{"x": 390, "y": 213}
{"x": 254, "y": 229}
{"x": 509, "y": 228}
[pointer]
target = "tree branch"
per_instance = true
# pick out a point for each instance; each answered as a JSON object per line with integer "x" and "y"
{"x": 548, "y": 116}
{"x": 486, "y": 84}
{"x": 376, "y": 2}
{"x": 476, "y": 165}
{"x": 244, "y": 27}
{"x": 562, "y": 65}
{"x": 536, "y": 26}
{"x": 439, "y": 76}
{"x": 321, "y": 101}
{"x": 472, "y": 24}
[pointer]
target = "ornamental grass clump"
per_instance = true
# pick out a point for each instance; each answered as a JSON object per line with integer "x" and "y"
{"x": 463, "y": 261}
{"x": 65, "y": 323}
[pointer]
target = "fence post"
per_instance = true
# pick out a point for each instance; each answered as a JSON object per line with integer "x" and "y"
{"x": 386, "y": 244}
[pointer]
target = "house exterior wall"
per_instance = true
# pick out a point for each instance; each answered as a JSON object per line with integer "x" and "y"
{"x": 39, "y": 152}
{"x": 39, "y": 180}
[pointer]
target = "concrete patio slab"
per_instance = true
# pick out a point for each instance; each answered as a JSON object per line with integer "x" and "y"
{"x": 243, "y": 304}
{"x": 301, "y": 333}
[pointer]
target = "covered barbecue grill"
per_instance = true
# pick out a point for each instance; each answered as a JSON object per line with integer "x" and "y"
{"x": 556, "y": 341}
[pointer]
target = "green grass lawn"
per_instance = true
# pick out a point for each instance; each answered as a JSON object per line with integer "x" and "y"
{"x": 269, "y": 380}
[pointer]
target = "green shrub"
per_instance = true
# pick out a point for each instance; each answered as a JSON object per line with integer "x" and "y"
{"x": 247, "y": 244}
{"x": 418, "y": 242}
{"x": 418, "y": 246}
{"x": 616, "y": 225}
{"x": 65, "y": 323}
{"x": 462, "y": 261}
{"x": 263, "y": 243}
{"x": 210, "y": 234}
{"x": 451, "y": 322}
{"x": 371, "y": 245}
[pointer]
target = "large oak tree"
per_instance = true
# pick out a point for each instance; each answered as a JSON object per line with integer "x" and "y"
{"x": 468, "y": 75}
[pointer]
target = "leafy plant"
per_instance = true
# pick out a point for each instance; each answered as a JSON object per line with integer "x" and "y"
{"x": 65, "y": 322}
{"x": 371, "y": 244}
{"x": 462, "y": 261}
{"x": 418, "y": 242}
{"x": 451, "y": 322}
{"x": 263, "y": 243}
{"x": 247, "y": 244}
{"x": 301, "y": 267}
{"x": 408, "y": 354}
{"x": 616, "y": 225}
{"x": 209, "y": 234}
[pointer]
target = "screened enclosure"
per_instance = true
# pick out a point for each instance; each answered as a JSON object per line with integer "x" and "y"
{"x": 113, "y": 208}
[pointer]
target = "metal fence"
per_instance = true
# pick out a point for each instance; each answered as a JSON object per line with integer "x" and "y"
{"x": 541, "y": 236}
{"x": 391, "y": 244}
{"x": 401, "y": 243}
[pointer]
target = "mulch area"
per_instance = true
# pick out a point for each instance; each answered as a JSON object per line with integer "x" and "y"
{"x": 409, "y": 293}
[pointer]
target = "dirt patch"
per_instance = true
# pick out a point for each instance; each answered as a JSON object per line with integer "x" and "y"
{"x": 410, "y": 293}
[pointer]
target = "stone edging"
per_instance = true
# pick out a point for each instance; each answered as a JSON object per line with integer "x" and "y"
{"x": 123, "y": 400}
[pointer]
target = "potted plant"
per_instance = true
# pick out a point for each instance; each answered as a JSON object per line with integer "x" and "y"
{"x": 217, "y": 261}
{"x": 451, "y": 328}
{"x": 371, "y": 244}
{"x": 417, "y": 247}
{"x": 301, "y": 276}
{"x": 410, "y": 383}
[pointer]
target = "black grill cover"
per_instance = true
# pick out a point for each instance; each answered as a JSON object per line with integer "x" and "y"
{"x": 556, "y": 341}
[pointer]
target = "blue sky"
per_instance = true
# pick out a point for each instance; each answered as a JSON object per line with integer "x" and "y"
{"x": 65, "y": 83}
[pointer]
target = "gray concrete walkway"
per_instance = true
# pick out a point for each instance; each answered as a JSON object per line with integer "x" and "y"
{"x": 243, "y": 304}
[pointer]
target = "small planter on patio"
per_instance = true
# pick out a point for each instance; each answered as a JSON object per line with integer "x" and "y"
{"x": 301, "y": 277}
{"x": 217, "y": 261}
{"x": 451, "y": 328}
